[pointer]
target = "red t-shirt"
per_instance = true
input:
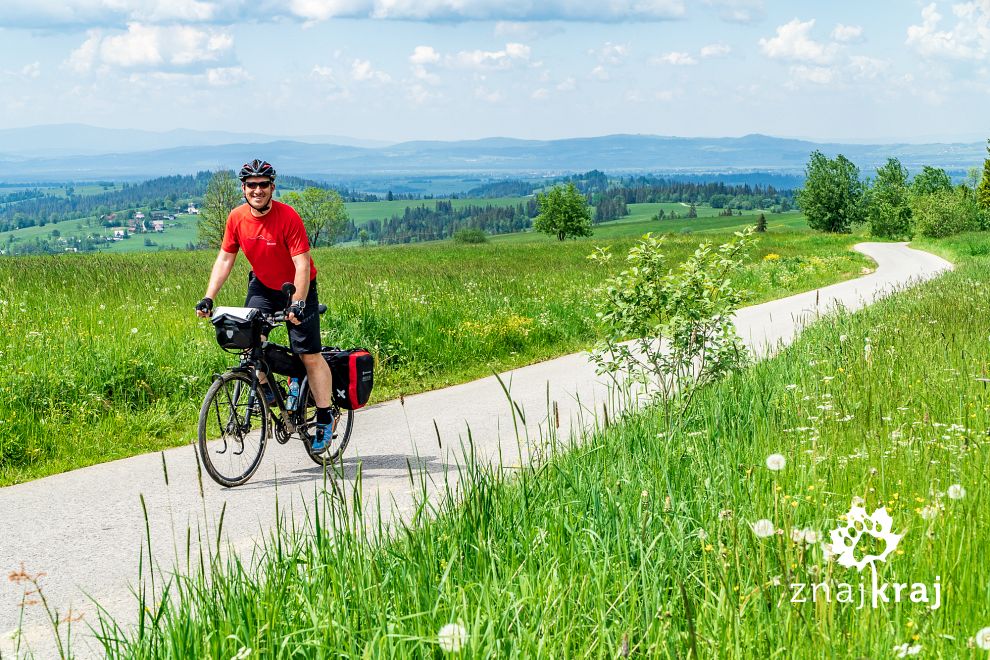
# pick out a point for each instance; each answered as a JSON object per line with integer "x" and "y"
{"x": 268, "y": 242}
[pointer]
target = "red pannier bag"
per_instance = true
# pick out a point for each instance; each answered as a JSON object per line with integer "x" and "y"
{"x": 353, "y": 372}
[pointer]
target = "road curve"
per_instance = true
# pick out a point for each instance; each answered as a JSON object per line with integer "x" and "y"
{"x": 83, "y": 529}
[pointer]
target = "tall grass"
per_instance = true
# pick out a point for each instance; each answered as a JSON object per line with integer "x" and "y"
{"x": 101, "y": 356}
{"x": 638, "y": 543}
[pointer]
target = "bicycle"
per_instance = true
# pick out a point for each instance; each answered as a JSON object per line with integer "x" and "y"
{"x": 236, "y": 420}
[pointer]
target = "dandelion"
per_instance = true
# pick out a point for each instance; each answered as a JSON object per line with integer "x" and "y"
{"x": 858, "y": 501}
{"x": 828, "y": 552}
{"x": 843, "y": 338}
{"x": 242, "y": 653}
{"x": 725, "y": 514}
{"x": 904, "y": 650}
{"x": 928, "y": 512}
{"x": 702, "y": 534}
{"x": 797, "y": 535}
{"x": 763, "y": 528}
{"x": 133, "y": 331}
{"x": 956, "y": 492}
{"x": 452, "y": 637}
{"x": 790, "y": 386}
{"x": 810, "y": 535}
{"x": 776, "y": 462}
{"x": 983, "y": 638}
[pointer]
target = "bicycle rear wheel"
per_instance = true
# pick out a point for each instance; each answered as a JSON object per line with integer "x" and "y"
{"x": 341, "y": 434}
{"x": 233, "y": 429}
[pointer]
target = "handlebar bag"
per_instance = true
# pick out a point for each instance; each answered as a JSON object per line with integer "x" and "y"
{"x": 353, "y": 372}
{"x": 237, "y": 327}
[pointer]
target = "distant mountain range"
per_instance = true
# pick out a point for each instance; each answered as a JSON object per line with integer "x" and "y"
{"x": 78, "y": 152}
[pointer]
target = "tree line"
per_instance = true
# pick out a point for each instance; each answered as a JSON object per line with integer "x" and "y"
{"x": 442, "y": 221}
{"x": 893, "y": 204}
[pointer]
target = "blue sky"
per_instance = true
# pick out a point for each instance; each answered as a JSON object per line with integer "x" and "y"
{"x": 454, "y": 69}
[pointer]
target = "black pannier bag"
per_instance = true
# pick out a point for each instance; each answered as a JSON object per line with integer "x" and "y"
{"x": 237, "y": 327}
{"x": 284, "y": 362}
{"x": 353, "y": 374}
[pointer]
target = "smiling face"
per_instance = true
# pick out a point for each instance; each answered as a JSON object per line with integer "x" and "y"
{"x": 258, "y": 191}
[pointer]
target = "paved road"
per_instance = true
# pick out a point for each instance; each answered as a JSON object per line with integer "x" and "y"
{"x": 84, "y": 529}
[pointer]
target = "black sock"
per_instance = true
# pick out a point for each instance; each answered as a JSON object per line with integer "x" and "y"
{"x": 324, "y": 416}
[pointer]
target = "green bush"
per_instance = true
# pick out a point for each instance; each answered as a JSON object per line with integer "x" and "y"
{"x": 945, "y": 212}
{"x": 470, "y": 236}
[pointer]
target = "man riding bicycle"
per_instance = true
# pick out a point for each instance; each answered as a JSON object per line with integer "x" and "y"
{"x": 274, "y": 240}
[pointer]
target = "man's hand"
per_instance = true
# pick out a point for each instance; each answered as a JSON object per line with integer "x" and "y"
{"x": 296, "y": 312}
{"x": 204, "y": 308}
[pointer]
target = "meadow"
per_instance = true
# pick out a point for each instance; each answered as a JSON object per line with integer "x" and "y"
{"x": 650, "y": 541}
{"x": 105, "y": 349}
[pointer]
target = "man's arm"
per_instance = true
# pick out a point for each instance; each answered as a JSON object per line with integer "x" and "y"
{"x": 221, "y": 270}
{"x": 301, "y": 262}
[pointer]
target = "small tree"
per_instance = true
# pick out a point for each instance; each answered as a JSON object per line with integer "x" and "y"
{"x": 944, "y": 213}
{"x": 888, "y": 210}
{"x": 564, "y": 213}
{"x": 223, "y": 194}
{"x": 322, "y": 211}
{"x": 363, "y": 237}
{"x": 470, "y": 235}
{"x": 680, "y": 319}
{"x": 761, "y": 224}
{"x": 692, "y": 211}
{"x": 833, "y": 196}
{"x": 931, "y": 180}
{"x": 983, "y": 191}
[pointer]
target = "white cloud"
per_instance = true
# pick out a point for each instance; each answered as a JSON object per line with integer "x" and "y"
{"x": 738, "y": 11}
{"x": 794, "y": 43}
{"x": 32, "y": 70}
{"x": 424, "y": 55}
{"x": 323, "y": 73}
{"x": 847, "y": 33}
{"x": 117, "y": 13}
{"x": 363, "y": 71}
{"x": 512, "y": 54}
{"x": 227, "y": 76}
{"x": 675, "y": 58}
{"x": 969, "y": 39}
{"x": 611, "y": 53}
{"x": 490, "y": 10}
{"x": 540, "y": 94}
{"x": 488, "y": 95}
{"x": 818, "y": 75}
{"x": 599, "y": 73}
{"x": 867, "y": 68}
{"x": 419, "y": 94}
{"x": 172, "y": 48}
{"x": 715, "y": 50}
{"x": 567, "y": 85}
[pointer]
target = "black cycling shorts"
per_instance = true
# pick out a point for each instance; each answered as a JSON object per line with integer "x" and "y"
{"x": 303, "y": 338}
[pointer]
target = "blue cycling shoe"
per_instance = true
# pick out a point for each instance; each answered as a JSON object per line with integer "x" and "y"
{"x": 324, "y": 434}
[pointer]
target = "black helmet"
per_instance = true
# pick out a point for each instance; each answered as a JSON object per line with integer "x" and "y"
{"x": 257, "y": 168}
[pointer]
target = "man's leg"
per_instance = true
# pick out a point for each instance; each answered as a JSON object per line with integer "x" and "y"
{"x": 320, "y": 380}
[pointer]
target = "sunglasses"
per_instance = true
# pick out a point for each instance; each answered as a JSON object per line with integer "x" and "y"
{"x": 251, "y": 185}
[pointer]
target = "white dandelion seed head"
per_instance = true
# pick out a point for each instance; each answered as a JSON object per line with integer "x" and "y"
{"x": 797, "y": 535}
{"x": 763, "y": 528}
{"x": 702, "y": 534}
{"x": 811, "y": 536}
{"x": 452, "y": 637}
{"x": 956, "y": 492}
{"x": 843, "y": 338}
{"x": 928, "y": 512}
{"x": 776, "y": 462}
{"x": 982, "y": 638}
{"x": 904, "y": 650}
{"x": 133, "y": 331}
{"x": 858, "y": 501}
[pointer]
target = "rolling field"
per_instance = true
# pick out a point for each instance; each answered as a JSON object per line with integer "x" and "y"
{"x": 711, "y": 539}
{"x": 113, "y": 351}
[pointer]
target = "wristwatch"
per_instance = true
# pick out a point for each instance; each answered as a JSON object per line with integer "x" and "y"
{"x": 301, "y": 304}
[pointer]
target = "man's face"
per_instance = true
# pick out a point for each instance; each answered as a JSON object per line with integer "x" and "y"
{"x": 258, "y": 191}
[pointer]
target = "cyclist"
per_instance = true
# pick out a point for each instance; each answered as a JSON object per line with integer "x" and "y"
{"x": 274, "y": 240}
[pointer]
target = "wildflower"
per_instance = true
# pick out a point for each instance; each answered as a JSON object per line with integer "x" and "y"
{"x": 797, "y": 535}
{"x": 725, "y": 514}
{"x": 956, "y": 492}
{"x": 843, "y": 338}
{"x": 776, "y": 462}
{"x": 702, "y": 534}
{"x": 903, "y": 650}
{"x": 242, "y": 653}
{"x": 772, "y": 256}
{"x": 928, "y": 512}
{"x": 858, "y": 501}
{"x": 790, "y": 386}
{"x": 983, "y": 638}
{"x": 763, "y": 528}
{"x": 133, "y": 331}
{"x": 452, "y": 637}
{"x": 810, "y": 536}
{"x": 828, "y": 552}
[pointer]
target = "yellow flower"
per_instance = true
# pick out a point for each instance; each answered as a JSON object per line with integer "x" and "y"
{"x": 773, "y": 256}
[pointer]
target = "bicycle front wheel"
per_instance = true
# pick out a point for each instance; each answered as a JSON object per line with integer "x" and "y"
{"x": 233, "y": 429}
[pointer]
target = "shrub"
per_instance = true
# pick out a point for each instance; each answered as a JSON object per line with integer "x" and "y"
{"x": 468, "y": 235}
{"x": 945, "y": 212}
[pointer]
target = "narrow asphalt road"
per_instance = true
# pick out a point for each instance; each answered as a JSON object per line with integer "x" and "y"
{"x": 83, "y": 530}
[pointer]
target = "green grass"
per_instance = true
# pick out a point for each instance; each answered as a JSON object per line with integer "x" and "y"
{"x": 108, "y": 346}
{"x": 639, "y": 542}
{"x": 362, "y": 212}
